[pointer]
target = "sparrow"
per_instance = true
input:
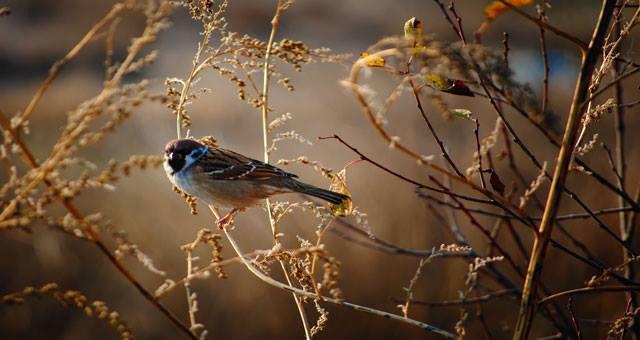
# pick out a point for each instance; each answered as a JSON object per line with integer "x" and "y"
{"x": 227, "y": 179}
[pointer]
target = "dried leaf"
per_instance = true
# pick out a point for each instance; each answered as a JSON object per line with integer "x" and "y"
{"x": 496, "y": 183}
{"x": 377, "y": 62}
{"x": 496, "y": 8}
{"x": 453, "y": 86}
{"x": 339, "y": 184}
{"x": 413, "y": 32}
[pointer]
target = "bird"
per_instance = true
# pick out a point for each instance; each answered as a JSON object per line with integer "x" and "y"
{"x": 227, "y": 179}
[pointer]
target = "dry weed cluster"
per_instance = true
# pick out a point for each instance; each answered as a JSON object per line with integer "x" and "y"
{"x": 508, "y": 192}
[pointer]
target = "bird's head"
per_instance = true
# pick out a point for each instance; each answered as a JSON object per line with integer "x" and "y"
{"x": 181, "y": 154}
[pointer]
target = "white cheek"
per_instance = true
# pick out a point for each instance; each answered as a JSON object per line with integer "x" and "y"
{"x": 168, "y": 170}
{"x": 188, "y": 161}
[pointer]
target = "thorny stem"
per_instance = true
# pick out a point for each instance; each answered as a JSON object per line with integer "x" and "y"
{"x": 527, "y": 306}
{"x": 275, "y": 22}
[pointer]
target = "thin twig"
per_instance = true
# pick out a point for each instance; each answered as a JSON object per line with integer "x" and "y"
{"x": 545, "y": 58}
{"x": 581, "y": 44}
{"x": 443, "y": 150}
{"x": 573, "y": 319}
{"x": 467, "y": 301}
{"x": 587, "y": 290}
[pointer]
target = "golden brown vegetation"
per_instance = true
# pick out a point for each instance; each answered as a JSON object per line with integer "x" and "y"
{"x": 501, "y": 207}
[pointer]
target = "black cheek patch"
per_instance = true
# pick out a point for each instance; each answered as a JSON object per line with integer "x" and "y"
{"x": 176, "y": 163}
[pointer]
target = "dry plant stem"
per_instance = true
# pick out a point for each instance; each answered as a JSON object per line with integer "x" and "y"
{"x": 527, "y": 307}
{"x": 546, "y": 25}
{"x": 476, "y": 132}
{"x": 535, "y": 161}
{"x": 275, "y": 22}
{"x": 404, "y": 178}
{"x": 540, "y": 206}
{"x": 58, "y": 65}
{"x": 389, "y": 247}
{"x": 201, "y": 273}
{"x": 591, "y": 172}
{"x": 353, "y": 80}
{"x": 57, "y": 154}
{"x": 443, "y": 150}
{"x": 197, "y": 273}
{"x": 452, "y": 8}
{"x": 191, "y": 301}
{"x": 312, "y": 295}
{"x": 587, "y": 290}
{"x": 484, "y": 230}
{"x": 467, "y": 301}
{"x": 633, "y": 215}
{"x": 573, "y": 319}
{"x": 449, "y": 20}
{"x": 620, "y": 165}
{"x": 535, "y": 218}
{"x": 545, "y": 59}
{"x": 134, "y": 49}
{"x": 186, "y": 86}
{"x": 445, "y": 191}
{"x": 94, "y": 237}
{"x": 314, "y": 261}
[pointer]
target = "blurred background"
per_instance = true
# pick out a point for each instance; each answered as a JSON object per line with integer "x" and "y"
{"x": 39, "y": 32}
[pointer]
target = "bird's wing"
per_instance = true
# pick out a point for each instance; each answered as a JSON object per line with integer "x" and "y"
{"x": 221, "y": 164}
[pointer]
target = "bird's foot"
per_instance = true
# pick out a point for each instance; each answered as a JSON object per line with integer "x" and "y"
{"x": 226, "y": 219}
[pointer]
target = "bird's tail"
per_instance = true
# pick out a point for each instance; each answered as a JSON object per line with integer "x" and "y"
{"x": 327, "y": 195}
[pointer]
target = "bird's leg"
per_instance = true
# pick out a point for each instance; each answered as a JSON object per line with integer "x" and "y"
{"x": 226, "y": 219}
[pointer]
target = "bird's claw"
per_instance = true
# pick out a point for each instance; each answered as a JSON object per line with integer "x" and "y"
{"x": 226, "y": 219}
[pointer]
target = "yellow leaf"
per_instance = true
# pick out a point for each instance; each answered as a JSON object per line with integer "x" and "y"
{"x": 413, "y": 32}
{"x": 377, "y": 62}
{"x": 496, "y": 8}
{"x": 438, "y": 82}
{"x": 462, "y": 113}
{"x": 339, "y": 184}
